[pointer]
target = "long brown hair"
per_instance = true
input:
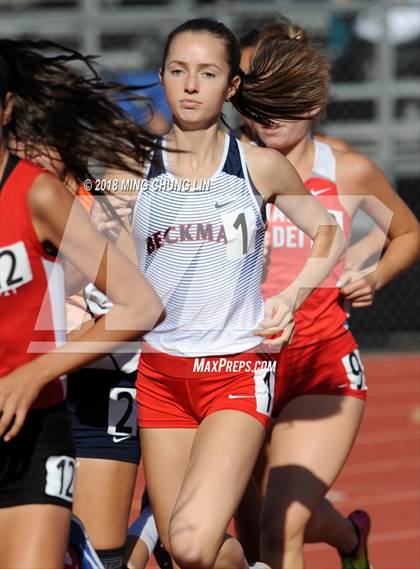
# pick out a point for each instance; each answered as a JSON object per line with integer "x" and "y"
{"x": 287, "y": 72}
{"x": 284, "y": 81}
{"x": 74, "y": 112}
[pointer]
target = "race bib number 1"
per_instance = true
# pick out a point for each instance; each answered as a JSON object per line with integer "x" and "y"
{"x": 240, "y": 228}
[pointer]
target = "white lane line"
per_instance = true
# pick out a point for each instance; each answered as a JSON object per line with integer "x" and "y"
{"x": 336, "y": 495}
{"x": 385, "y": 389}
{"x": 415, "y": 415}
{"x": 387, "y": 411}
{"x": 380, "y": 537}
{"x": 381, "y": 466}
{"x": 384, "y": 497}
{"x": 400, "y": 356}
{"x": 388, "y": 436}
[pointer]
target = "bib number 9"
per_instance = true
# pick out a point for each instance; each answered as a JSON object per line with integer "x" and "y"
{"x": 355, "y": 371}
{"x": 264, "y": 391}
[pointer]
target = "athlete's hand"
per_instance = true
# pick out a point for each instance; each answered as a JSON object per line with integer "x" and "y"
{"x": 18, "y": 390}
{"x": 278, "y": 324}
{"x": 105, "y": 223}
{"x": 358, "y": 287}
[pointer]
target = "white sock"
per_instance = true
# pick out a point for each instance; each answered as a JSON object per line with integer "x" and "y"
{"x": 145, "y": 529}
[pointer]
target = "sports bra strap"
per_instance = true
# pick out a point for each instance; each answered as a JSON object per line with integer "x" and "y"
{"x": 11, "y": 164}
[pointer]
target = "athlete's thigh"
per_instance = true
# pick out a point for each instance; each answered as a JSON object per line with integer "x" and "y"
{"x": 166, "y": 453}
{"x": 102, "y": 499}
{"x": 34, "y": 536}
{"x": 222, "y": 458}
{"x": 310, "y": 443}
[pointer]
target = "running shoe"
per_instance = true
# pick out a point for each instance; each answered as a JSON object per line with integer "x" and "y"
{"x": 80, "y": 547}
{"x": 163, "y": 559}
{"x": 359, "y": 559}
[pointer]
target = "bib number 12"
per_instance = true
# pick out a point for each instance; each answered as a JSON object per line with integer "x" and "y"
{"x": 61, "y": 477}
{"x": 15, "y": 269}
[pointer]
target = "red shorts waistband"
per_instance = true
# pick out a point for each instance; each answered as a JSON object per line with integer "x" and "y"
{"x": 198, "y": 366}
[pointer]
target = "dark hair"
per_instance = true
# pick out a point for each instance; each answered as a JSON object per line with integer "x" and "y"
{"x": 294, "y": 72}
{"x": 250, "y": 38}
{"x": 216, "y": 29}
{"x": 75, "y": 113}
{"x": 284, "y": 28}
{"x": 277, "y": 86}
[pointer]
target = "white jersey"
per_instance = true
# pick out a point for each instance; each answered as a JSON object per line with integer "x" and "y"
{"x": 201, "y": 248}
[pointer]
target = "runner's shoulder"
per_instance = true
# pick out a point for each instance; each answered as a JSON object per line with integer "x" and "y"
{"x": 264, "y": 160}
{"x": 354, "y": 166}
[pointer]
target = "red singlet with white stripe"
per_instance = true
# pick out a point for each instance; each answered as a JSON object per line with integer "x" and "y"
{"x": 32, "y": 292}
{"x": 322, "y": 316}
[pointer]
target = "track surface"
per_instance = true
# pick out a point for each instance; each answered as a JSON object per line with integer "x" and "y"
{"x": 383, "y": 472}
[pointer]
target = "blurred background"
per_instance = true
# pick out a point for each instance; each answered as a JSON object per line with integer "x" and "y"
{"x": 374, "y": 49}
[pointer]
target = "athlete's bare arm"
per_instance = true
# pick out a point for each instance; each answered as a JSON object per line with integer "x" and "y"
{"x": 359, "y": 177}
{"x": 58, "y": 218}
{"x": 278, "y": 181}
{"x": 360, "y": 252}
{"x": 75, "y": 280}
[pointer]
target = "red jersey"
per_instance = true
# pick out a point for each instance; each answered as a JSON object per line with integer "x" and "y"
{"x": 322, "y": 316}
{"x": 32, "y": 292}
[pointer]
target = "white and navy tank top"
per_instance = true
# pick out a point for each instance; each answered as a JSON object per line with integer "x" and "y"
{"x": 201, "y": 249}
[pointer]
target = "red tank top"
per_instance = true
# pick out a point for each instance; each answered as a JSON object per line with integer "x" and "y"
{"x": 322, "y": 316}
{"x": 32, "y": 292}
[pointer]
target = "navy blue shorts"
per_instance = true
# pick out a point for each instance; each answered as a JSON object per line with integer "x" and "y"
{"x": 103, "y": 411}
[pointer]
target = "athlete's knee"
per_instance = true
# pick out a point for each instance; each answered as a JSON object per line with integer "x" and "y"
{"x": 190, "y": 547}
{"x": 190, "y": 555}
{"x": 282, "y": 529}
{"x": 231, "y": 555}
{"x": 317, "y": 525}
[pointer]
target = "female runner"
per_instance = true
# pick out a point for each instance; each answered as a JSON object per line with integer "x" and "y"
{"x": 40, "y": 99}
{"x": 321, "y": 388}
{"x": 101, "y": 399}
{"x": 204, "y": 389}
{"x": 97, "y": 397}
